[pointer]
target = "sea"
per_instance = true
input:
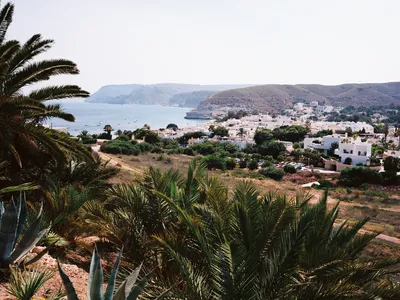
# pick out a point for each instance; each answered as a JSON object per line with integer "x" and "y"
{"x": 94, "y": 116}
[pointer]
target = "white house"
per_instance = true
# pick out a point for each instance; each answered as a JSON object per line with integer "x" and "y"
{"x": 324, "y": 143}
{"x": 354, "y": 149}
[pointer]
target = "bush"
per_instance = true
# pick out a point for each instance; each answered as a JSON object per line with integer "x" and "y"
{"x": 252, "y": 164}
{"x": 151, "y": 137}
{"x": 134, "y": 142}
{"x": 325, "y": 184}
{"x": 123, "y": 137}
{"x": 120, "y": 147}
{"x": 156, "y": 149}
{"x": 89, "y": 141}
{"x": 230, "y": 164}
{"x": 188, "y": 151}
{"x": 205, "y": 148}
{"x": 289, "y": 169}
{"x": 266, "y": 164}
{"x": 144, "y": 147}
{"x": 243, "y": 163}
{"x": 272, "y": 172}
{"x": 214, "y": 162}
{"x": 356, "y": 176}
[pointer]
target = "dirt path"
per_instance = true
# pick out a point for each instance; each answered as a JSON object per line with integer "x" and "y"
{"x": 115, "y": 161}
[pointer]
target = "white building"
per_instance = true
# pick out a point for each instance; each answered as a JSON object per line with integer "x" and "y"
{"x": 359, "y": 152}
{"x": 324, "y": 143}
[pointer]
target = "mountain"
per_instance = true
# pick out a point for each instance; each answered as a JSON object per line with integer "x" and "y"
{"x": 274, "y": 98}
{"x": 161, "y": 94}
{"x": 190, "y": 99}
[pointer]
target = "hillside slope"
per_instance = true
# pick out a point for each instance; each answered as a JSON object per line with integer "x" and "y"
{"x": 159, "y": 94}
{"x": 274, "y": 98}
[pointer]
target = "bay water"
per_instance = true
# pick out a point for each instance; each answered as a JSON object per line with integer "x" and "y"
{"x": 94, "y": 116}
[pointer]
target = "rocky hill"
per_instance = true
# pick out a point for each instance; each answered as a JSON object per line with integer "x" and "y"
{"x": 161, "y": 94}
{"x": 274, "y": 98}
{"x": 191, "y": 99}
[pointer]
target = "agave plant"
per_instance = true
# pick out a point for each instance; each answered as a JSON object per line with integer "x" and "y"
{"x": 129, "y": 289}
{"x": 12, "y": 221}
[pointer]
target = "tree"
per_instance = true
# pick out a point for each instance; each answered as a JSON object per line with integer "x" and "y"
{"x": 386, "y": 130}
{"x": 151, "y": 137}
{"x": 108, "y": 129}
{"x": 292, "y": 133}
{"x": 262, "y": 135}
{"x": 172, "y": 126}
{"x": 24, "y": 141}
{"x": 391, "y": 164}
{"x": 349, "y": 131}
{"x": 271, "y": 148}
{"x": 220, "y": 131}
{"x": 241, "y": 132}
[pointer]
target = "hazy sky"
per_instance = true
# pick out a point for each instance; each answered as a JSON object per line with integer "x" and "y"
{"x": 218, "y": 41}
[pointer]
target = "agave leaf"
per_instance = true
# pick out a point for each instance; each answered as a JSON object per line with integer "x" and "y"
{"x": 69, "y": 288}
{"x": 8, "y": 230}
{"x": 111, "y": 281}
{"x": 29, "y": 240}
{"x": 95, "y": 283}
{"x": 126, "y": 287}
{"x": 1, "y": 210}
{"x": 134, "y": 293}
{"x": 22, "y": 217}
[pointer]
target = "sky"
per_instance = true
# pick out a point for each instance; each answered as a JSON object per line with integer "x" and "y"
{"x": 217, "y": 41}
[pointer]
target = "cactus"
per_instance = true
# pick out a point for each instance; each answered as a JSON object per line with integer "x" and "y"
{"x": 12, "y": 222}
{"x": 129, "y": 289}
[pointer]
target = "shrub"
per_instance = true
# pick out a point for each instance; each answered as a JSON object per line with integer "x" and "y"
{"x": 156, "y": 149}
{"x": 89, "y": 141}
{"x": 289, "y": 169}
{"x": 252, "y": 164}
{"x": 214, "y": 162}
{"x": 134, "y": 142}
{"x": 151, "y": 137}
{"x": 272, "y": 172}
{"x": 188, "y": 151}
{"x": 391, "y": 164}
{"x": 123, "y": 137}
{"x": 323, "y": 184}
{"x": 145, "y": 147}
{"x": 119, "y": 147}
{"x": 266, "y": 164}
{"x": 355, "y": 176}
{"x": 243, "y": 163}
{"x": 205, "y": 148}
{"x": 230, "y": 164}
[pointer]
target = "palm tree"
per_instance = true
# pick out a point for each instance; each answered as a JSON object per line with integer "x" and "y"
{"x": 108, "y": 129}
{"x": 241, "y": 132}
{"x": 386, "y": 130}
{"x": 22, "y": 134}
{"x": 239, "y": 245}
{"x": 269, "y": 247}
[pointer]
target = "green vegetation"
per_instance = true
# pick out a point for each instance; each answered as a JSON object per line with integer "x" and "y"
{"x": 356, "y": 176}
{"x": 289, "y": 169}
{"x": 120, "y": 147}
{"x": 197, "y": 238}
{"x": 128, "y": 289}
{"x": 13, "y": 246}
{"x": 218, "y": 131}
{"x": 272, "y": 172}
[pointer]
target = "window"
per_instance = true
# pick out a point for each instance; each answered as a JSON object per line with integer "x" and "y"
{"x": 351, "y": 151}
